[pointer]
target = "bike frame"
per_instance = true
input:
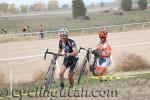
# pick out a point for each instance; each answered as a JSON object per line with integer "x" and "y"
{"x": 51, "y": 70}
{"x": 87, "y": 59}
{"x": 84, "y": 63}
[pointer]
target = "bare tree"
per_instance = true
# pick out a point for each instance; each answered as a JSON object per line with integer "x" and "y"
{"x": 12, "y": 8}
{"x": 24, "y": 8}
{"x": 3, "y": 7}
{"x": 38, "y": 6}
{"x": 53, "y": 5}
{"x": 65, "y": 6}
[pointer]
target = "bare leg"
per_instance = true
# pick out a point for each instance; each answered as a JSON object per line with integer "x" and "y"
{"x": 71, "y": 80}
{"x": 61, "y": 75}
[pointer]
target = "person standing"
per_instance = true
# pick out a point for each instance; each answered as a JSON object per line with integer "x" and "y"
{"x": 25, "y": 30}
{"x": 41, "y": 31}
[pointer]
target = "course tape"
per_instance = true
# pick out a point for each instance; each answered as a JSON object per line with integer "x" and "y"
{"x": 109, "y": 77}
{"x": 122, "y": 75}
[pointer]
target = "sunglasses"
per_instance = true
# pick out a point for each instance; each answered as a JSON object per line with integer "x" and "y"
{"x": 102, "y": 37}
{"x": 62, "y": 35}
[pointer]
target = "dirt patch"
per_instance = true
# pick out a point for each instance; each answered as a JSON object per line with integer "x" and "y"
{"x": 39, "y": 75}
{"x": 131, "y": 62}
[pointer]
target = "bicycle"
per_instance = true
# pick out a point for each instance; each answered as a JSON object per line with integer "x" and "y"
{"x": 87, "y": 60}
{"x": 49, "y": 78}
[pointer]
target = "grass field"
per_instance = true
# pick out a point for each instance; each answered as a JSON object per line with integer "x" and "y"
{"x": 53, "y": 22}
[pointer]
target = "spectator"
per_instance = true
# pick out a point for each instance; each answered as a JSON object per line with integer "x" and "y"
{"x": 25, "y": 30}
{"x": 41, "y": 31}
{"x": 4, "y": 30}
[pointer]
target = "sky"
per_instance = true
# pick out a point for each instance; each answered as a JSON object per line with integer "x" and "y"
{"x": 61, "y": 2}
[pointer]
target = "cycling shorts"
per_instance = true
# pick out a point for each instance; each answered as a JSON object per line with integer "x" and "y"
{"x": 70, "y": 62}
{"x": 103, "y": 62}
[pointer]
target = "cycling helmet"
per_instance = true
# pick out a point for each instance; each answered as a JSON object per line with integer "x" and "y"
{"x": 103, "y": 34}
{"x": 63, "y": 31}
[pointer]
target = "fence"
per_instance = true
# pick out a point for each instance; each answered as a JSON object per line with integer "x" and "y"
{"x": 78, "y": 31}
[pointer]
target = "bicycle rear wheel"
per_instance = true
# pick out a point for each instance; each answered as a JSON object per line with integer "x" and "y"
{"x": 82, "y": 70}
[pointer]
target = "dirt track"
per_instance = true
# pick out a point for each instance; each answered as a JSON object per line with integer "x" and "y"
{"x": 26, "y": 69}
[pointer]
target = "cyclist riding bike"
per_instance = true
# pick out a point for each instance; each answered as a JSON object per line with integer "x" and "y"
{"x": 104, "y": 51}
{"x": 70, "y": 58}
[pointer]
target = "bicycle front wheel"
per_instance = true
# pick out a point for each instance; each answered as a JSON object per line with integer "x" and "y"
{"x": 49, "y": 77}
{"x": 83, "y": 68}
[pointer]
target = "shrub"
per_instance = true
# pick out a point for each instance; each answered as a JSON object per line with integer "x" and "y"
{"x": 131, "y": 62}
{"x": 126, "y": 5}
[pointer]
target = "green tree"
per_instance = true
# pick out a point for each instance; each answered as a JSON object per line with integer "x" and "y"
{"x": 78, "y": 8}
{"x": 142, "y": 4}
{"x": 126, "y": 5}
{"x": 102, "y": 3}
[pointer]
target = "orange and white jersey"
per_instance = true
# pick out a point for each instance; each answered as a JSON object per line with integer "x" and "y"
{"x": 104, "y": 47}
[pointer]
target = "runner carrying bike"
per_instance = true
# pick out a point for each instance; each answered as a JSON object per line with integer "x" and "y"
{"x": 70, "y": 59}
{"x": 104, "y": 51}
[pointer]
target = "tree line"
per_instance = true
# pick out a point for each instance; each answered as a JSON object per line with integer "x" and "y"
{"x": 78, "y": 7}
{"x": 37, "y": 6}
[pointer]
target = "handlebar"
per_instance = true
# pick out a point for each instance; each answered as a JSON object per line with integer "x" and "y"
{"x": 81, "y": 48}
{"x": 56, "y": 54}
{"x": 47, "y": 52}
{"x": 96, "y": 51}
{"x": 93, "y": 51}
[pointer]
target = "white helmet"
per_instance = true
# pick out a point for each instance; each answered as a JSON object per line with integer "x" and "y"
{"x": 63, "y": 31}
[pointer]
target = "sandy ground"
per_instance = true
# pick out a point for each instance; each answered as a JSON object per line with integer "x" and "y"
{"x": 26, "y": 69}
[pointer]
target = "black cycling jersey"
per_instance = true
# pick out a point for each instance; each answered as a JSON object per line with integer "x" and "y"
{"x": 67, "y": 46}
{"x": 70, "y": 61}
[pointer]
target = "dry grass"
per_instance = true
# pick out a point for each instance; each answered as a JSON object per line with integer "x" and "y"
{"x": 77, "y": 71}
{"x": 132, "y": 62}
{"x": 39, "y": 75}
